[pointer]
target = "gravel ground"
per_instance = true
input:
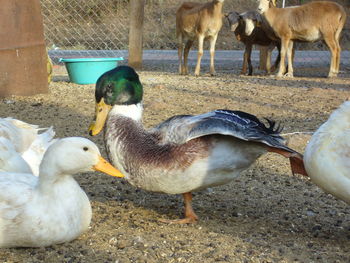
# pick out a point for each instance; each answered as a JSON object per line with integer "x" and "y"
{"x": 265, "y": 215}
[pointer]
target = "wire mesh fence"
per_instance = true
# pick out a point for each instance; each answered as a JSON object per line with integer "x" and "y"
{"x": 85, "y": 25}
{"x": 101, "y": 27}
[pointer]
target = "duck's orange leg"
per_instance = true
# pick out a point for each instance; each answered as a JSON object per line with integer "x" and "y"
{"x": 190, "y": 216}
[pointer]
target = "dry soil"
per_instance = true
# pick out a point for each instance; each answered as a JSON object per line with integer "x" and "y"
{"x": 265, "y": 215}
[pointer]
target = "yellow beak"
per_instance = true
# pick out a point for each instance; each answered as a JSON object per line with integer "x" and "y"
{"x": 102, "y": 110}
{"x": 105, "y": 167}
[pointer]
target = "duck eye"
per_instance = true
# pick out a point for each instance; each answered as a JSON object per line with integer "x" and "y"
{"x": 109, "y": 87}
{"x": 109, "y": 90}
{"x": 85, "y": 148}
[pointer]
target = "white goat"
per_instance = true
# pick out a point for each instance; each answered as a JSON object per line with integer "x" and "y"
{"x": 198, "y": 21}
{"x": 319, "y": 20}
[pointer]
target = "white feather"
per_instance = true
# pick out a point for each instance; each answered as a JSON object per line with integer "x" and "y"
{"x": 133, "y": 111}
{"x": 327, "y": 155}
{"x": 10, "y": 159}
{"x": 28, "y": 146}
{"x": 35, "y": 153}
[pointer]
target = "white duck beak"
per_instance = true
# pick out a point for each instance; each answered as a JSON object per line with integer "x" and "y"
{"x": 105, "y": 167}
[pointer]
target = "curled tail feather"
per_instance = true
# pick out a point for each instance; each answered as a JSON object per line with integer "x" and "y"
{"x": 295, "y": 158}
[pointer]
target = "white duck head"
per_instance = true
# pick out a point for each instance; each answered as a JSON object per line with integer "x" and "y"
{"x": 73, "y": 155}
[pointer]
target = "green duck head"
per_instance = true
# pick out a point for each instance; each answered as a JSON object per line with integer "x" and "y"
{"x": 119, "y": 86}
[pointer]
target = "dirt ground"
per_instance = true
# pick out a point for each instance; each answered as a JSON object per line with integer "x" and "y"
{"x": 265, "y": 215}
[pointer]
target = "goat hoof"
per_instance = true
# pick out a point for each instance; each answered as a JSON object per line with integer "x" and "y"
{"x": 288, "y": 75}
{"x": 332, "y": 75}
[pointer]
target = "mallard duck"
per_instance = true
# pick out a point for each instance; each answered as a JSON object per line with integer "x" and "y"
{"x": 327, "y": 155}
{"x": 22, "y": 146}
{"x": 52, "y": 208}
{"x": 184, "y": 153}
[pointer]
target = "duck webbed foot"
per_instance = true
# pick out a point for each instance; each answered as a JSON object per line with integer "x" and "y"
{"x": 190, "y": 216}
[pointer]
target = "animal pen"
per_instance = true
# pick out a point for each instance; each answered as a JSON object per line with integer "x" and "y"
{"x": 265, "y": 215}
{"x": 101, "y": 28}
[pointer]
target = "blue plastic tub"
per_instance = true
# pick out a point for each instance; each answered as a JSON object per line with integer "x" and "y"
{"x": 88, "y": 70}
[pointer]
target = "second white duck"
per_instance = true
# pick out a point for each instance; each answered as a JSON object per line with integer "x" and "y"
{"x": 52, "y": 208}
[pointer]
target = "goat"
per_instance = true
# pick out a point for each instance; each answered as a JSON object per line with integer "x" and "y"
{"x": 198, "y": 21}
{"x": 249, "y": 35}
{"x": 307, "y": 23}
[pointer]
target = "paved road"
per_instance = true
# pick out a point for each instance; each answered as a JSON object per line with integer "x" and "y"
{"x": 222, "y": 57}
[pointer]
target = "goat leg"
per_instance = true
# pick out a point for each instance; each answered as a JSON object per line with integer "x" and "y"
{"x": 199, "y": 55}
{"x": 179, "y": 53}
{"x": 186, "y": 51}
{"x": 332, "y": 45}
{"x": 212, "y": 54}
{"x": 278, "y": 59}
{"x": 268, "y": 60}
{"x": 282, "y": 67}
{"x": 290, "y": 60}
{"x": 245, "y": 62}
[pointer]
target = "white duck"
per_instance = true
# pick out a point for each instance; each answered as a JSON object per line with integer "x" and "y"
{"x": 52, "y": 208}
{"x": 21, "y": 145}
{"x": 327, "y": 155}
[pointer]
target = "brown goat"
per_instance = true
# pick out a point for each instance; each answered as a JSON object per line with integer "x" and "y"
{"x": 198, "y": 21}
{"x": 255, "y": 37}
{"x": 319, "y": 20}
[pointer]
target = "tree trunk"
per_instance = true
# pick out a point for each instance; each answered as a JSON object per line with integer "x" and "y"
{"x": 135, "y": 33}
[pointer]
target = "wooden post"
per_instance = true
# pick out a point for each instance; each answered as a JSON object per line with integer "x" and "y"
{"x": 23, "y": 53}
{"x": 135, "y": 34}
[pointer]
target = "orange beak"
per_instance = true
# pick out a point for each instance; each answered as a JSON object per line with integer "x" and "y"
{"x": 105, "y": 167}
{"x": 102, "y": 110}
